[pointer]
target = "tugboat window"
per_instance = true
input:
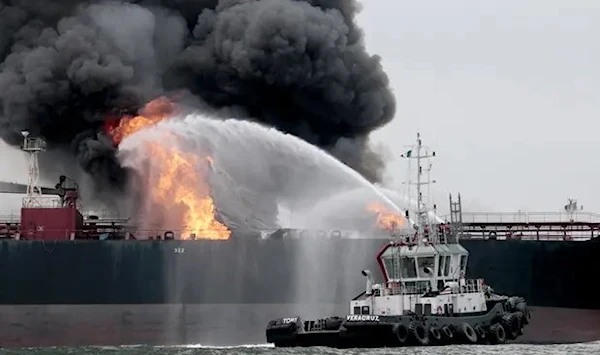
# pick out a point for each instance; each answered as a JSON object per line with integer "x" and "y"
{"x": 463, "y": 262}
{"x": 409, "y": 268}
{"x": 365, "y": 310}
{"x": 447, "y": 266}
{"x": 391, "y": 267}
{"x": 426, "y": 262}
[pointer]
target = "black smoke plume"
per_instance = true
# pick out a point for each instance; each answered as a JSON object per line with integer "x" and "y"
{"x": 68, "y": 66}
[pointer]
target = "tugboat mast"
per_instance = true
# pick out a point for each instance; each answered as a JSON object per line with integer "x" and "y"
{"x": 423, "y": 223}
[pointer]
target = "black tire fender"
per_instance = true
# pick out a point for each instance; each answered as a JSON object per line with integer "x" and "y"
{"x": 435, "y": 335}
{"x": 520, "y": 316}
{"x": 480, "y": 332}
{"x": 468, "y": 333}
{"x": 447, "y": 332}
{"x": 418, "y": 333}
{"x": 524, "y": 319}
{"x": 497, "y": 334}
{"x": 401, "y": 333}
{"x": 512, "y": 325}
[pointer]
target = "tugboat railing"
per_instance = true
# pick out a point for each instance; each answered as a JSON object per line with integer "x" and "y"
{"x": 474, "y": 285}
{"x": 394, "y": 288}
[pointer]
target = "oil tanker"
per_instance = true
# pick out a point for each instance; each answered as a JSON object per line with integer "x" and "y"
{"x": 71, "y": 278}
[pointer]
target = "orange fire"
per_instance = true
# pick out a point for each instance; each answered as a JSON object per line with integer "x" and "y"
{"x": 386, "y": 219}
{"x": 180, "y": 186}
{"x": 152, "y": 113}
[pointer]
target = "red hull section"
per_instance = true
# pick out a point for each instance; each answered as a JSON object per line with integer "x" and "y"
{"x": 217, "y": 324}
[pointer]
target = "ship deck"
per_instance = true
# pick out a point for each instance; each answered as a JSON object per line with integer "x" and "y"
{"x": 541, "y": 226}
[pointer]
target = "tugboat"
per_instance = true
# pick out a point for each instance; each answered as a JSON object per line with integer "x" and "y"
{"x": 424, "y": 298}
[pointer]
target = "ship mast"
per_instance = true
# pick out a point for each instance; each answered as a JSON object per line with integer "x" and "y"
{"x": 33, "y": 146}
{"x": 423, "y": 224}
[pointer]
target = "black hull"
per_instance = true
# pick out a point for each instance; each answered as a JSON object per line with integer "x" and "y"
{"x": 113, "y": 284}
{"x": 246, "y": 270}
{"x": 497, "y": 326}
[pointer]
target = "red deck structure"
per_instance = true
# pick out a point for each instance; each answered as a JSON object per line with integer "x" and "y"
{"x": 50, "y": 223}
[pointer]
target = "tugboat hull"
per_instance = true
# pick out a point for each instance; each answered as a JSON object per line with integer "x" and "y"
{"x": 367, "y": 331}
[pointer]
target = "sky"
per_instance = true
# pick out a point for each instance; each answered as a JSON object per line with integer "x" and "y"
{"x": 507, "y": 92}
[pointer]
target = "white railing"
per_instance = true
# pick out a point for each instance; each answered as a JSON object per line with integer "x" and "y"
{"x": 531, "y": 235}
{"x": 529, "y": 217}
{"x": 31, "y": 144}
{"x": 395, "y": 288}
{"x": 41, "y": 202}
{"x": 473, "y": 286}
{"x": 10, "y": 217}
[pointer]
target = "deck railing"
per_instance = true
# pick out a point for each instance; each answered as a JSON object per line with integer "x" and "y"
{"x": 569, "y": 236}
{"x": 529, "y": 217}
{"x": 395, "y": 288}
{"x": 11, "y": 217}
{"x": 473, "y": 285}
{"x": 108, "y": 232}
{"x": 107, "y": 221}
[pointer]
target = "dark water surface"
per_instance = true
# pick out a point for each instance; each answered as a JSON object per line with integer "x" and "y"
{"x": 585, "y": 348}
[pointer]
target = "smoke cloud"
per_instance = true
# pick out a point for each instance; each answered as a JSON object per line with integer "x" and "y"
{"x": 301, "y": 66}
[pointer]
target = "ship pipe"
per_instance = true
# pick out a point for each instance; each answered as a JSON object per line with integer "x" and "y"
{"x": 369, "y": 288}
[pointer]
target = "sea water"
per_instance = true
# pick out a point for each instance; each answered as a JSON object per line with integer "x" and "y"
{"x": 516, "y": 349}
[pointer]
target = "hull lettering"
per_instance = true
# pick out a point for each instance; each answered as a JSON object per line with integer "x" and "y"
{"x": 290, "y": 320}
{"x": 362, "y": 318}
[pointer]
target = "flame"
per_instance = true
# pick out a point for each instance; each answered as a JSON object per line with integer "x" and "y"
{"x": 386, "y": 219}
{"x": 152, "y": 113}
{"x": 180, "y": 186}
